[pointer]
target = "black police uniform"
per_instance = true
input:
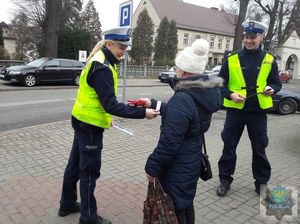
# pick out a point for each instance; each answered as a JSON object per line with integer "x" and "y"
{"x": 251, "y": 116}
{"x": 85, "y": 157}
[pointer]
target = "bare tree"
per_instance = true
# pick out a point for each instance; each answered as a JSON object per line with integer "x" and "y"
{"x": 272, "y": 11}
{"x": 293, "y": 22}
{"x": 237, "y": 43}
{"x": 45, "y": 17}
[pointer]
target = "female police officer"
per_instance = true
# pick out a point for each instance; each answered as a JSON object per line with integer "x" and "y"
{"x": 95, "y": 103}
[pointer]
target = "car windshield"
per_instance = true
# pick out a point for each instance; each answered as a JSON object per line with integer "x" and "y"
{"x": 173, "y": 69}
{"x": 38, "y": 62}
{"x": 217, "y": 68}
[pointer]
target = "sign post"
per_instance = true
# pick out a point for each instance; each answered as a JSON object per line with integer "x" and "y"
{"x": 125, "y": 17}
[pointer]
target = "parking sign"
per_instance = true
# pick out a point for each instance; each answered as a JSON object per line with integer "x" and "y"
{"x": 125, "y": 15}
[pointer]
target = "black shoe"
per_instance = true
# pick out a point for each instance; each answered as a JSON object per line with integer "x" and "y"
{"x": 67, "y": 211}
{"x": 223, "y": 188}
{"x": 100, "y": 220}
{"x": 259, "y": 188}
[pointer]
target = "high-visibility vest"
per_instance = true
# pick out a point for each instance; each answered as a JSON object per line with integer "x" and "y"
{"x": 87, "y": 107}
{"x": 237, "y": 82}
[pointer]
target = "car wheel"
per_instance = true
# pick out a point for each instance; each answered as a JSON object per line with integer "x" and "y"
{"x": 30, "y": 80}
{"x": 76, "y": 80}
{"x": 287, "y": 106}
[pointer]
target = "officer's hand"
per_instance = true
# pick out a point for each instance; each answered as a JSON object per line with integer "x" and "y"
{"x": 147, "y": 102}
{"x": 150, "y": 113}
{"x": 237, "y": 98}
{"x": 268, "y": 91}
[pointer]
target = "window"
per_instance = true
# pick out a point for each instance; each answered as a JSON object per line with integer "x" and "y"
{"x": 52, "y": 63}
{"x": 215, "y": 61}
{"x": 212, "y": 42}
{"x": 66, "y": 63}
{"x": 186, "y": 39}
{"x": 227, "y": 44}
{"x": 77, "y": 64}
{"x": 220, "y": 43}
{"x": 197, "y": 36}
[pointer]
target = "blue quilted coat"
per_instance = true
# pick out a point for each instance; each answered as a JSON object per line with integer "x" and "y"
{"x": 176, "y": 160}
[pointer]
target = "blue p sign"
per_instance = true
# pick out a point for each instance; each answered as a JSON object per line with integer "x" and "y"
{"x": 125, "y": 14}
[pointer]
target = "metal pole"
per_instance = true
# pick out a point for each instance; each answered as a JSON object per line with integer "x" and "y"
{"x": 124, "y": 77}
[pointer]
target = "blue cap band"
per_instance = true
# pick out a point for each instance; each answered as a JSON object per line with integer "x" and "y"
{"x": 116, "y": 37}
{"x": 253, "y": 30}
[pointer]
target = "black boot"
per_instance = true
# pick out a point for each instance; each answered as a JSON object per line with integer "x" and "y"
{"x": 67, "y": 211}
{"x": 100, "y": 220}
{"x": 223, "y": 188}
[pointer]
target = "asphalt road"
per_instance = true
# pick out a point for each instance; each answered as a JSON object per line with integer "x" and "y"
{"x": 24, "y": 107}
{"x": 33, "y": 107}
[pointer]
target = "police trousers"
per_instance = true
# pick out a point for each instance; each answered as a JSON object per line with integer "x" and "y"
{"x": 256, "y": 123}
{"x": 84, "y": 164}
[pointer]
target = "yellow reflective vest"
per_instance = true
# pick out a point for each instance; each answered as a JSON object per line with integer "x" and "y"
{"x": 236, "y": 82}
{"x": 87, "y": 107}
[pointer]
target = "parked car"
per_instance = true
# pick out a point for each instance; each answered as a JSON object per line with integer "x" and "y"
{"x": 217, "y": 68}
{"x": 166, "y": 76}
{"x": 44, "y": 70}
{"x": 286, "y": 102}
{"x": 285, "y": 76}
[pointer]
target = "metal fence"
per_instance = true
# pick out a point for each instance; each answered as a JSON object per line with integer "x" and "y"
{"x": 141, "y": 71}
{"x": 7, "y": 63}
{"x": 133, "y": 71}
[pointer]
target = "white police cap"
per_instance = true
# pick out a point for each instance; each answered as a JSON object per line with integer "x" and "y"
{"x": 254, "y": 27}
{"x": 120, "y": 35}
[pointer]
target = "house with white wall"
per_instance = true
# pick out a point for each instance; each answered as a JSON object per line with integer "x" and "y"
{"x": 9, "y": 38}
{"x": 289, "y": 54}
{"x": 193, "y": 22}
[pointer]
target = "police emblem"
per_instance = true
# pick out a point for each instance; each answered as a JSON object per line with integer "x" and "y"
{"x": 278, "y": 202}
{"x": 129, "y": 32}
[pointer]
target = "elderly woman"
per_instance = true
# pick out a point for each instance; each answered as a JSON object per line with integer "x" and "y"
{"x": 176, "y": 160}
{"x": 95, "y": 104}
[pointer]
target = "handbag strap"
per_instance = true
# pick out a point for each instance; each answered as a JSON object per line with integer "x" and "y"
{"x": 203, "y": 138}
{"x": 150, "y": 192}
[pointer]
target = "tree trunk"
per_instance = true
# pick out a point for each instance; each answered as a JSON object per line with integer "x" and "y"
{"x": 237, "y": 43}
{"x": 53, "y": 10}
{"x": 273, "y": 17}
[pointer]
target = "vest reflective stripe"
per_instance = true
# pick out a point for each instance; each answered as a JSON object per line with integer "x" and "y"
{"x": 237, "y": 81}
{"x": 265, "y": 102}
{"x": 87, "y": 107}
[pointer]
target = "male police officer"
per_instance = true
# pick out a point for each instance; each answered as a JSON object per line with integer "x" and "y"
{"x": 250, "y": 78}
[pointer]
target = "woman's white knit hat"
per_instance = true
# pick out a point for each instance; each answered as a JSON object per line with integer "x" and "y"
{"x": 193, "y": 59}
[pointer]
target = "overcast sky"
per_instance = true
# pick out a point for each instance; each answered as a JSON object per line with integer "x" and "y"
{"x": 108, "y": 10}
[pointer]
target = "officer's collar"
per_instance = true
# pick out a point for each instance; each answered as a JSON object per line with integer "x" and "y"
{"x": 109, "y": 56}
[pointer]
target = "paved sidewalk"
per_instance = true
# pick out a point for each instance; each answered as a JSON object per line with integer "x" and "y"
{"x": 32, "y": 161}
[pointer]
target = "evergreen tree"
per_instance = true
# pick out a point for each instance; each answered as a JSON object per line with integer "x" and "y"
{"x": 70, "y": 41}
{"x": 90, "y": 22}
{"x": 1, "y": 38}
{"x": 142, "y": 39}
{"x": 160, "y": 45}
{"x": 172, "y": 42}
